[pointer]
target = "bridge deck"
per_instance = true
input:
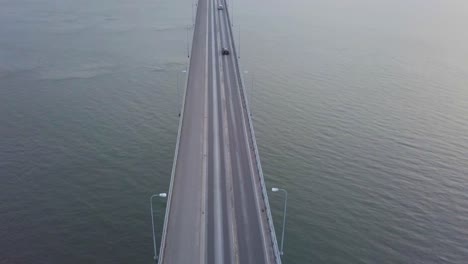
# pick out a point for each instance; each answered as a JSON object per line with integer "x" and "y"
{"x": 217, "y": 211}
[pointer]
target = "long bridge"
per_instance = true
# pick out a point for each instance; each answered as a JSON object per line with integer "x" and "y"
{"x": 217, "y": 208}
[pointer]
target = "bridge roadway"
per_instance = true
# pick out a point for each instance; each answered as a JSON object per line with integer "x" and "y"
{"x": 217, "y": 209}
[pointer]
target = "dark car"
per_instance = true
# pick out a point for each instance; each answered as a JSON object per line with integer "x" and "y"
{"x": 220, "y": 7}
{"x": 225, "y": 51}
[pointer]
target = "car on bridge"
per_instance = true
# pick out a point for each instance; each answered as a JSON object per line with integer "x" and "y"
{"x": 225, "y": 51}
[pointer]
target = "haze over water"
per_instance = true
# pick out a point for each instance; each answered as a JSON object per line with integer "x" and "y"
{"x": 360, "y": 110}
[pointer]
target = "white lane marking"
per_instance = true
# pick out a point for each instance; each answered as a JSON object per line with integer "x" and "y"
{"x": 205, "y": 151}
{"x": 229, "y": 186}
{"x": 219, "y": 239}
{"x": 251, "y": 166}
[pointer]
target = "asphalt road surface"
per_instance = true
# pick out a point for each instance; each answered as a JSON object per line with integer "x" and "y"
{"x": 216, "y": 212}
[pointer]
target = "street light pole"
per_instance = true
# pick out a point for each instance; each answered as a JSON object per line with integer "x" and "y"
{"x": 284, "y": 213}
{"x": 247, "y": 90}
{"x": 162, "y": 195}
{"x": 239, "y": 43}
{"x": 178, "y": 90}
{"x": 188, "y": 54}
{"x": 252, "y": 78}
{"x": 250, "y": 91}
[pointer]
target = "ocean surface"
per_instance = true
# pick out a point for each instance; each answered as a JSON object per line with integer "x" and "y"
{"x": 360, "y": 109}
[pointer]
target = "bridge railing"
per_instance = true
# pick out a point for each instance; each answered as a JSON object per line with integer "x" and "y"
{"x": 271, "y": 227}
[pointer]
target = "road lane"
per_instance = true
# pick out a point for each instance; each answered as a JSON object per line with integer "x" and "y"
{"x": 229, "y": 175}
{"x": 248, "y": 212}
{"x": 183, "y": 223}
